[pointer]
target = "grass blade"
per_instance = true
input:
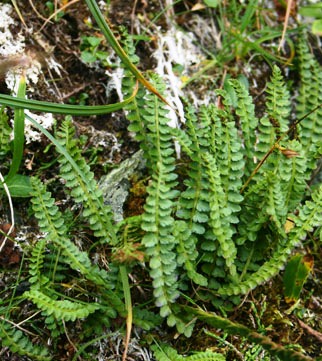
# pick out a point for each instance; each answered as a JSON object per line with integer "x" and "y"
{"x": 49, "y": 107}
{"x": 19, "y": 132}
{"x": 98, "y": 16}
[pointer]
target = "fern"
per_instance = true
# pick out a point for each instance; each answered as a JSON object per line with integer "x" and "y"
{"x": 167, "y": 353}
{"x": 276, "y": 118}
{"x": 197, "y": 203}
{"x": 37, "y": 262}
{"x": 309, "y": 98}
{"x": 157, "y": 220}
{"x": 220, "y": 216}
{"x": 18, "y": 343}
{"x": 293, "y": 174}
{"x": 159, "y": 241}
{"x": 278, "y": 104}
{"x": 193, "y": 205}
{"x": 133, "y": 110}
{"x": 248, "y": 122}
{"x": 88, "y": 194}
{"x": 187, "y": 253}
{"x": 52, "y": 224}
{"x": 309, "y": 216}
{"x": 201, "y": 230}
{"x": 64, "y": 310}
{"x": 268, "y": 270}
{"x": 279, "y": 184}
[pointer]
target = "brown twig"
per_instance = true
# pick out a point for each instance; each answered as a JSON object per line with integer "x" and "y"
{"x": 287, "y": 16}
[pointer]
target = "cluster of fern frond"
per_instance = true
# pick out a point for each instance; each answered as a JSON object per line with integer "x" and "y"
{"x": 225, "y": 227}
{"x": 209, "y": 219}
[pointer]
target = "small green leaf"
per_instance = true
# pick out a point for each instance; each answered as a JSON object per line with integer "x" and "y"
{"x": 312, "y": 10}
{"x": 317, "y": 27}
{"x": 212, "y": 3}
{"x": 19, "y": 186}
{"x": 88, "y": 57}
{"x": 94, "y": 40}
{"x": 295, "y": 275}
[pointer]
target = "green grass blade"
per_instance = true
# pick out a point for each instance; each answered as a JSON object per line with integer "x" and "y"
{"x": 19, "y": 132}
{"x": 64, "y": 108}
{"x": 107, "y": 32}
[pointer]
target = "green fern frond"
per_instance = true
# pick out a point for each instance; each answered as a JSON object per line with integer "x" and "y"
{"x": 36, "y": 262}
{"x": 88, "y": 194}
{"x": 220, "y": 215}
{"x": 245, "y": 111}
{"x": 134, "y": 109}
{"x": 55, "y": 326}
{"x": 157, "y": 220}
{"x": 276, "y": 118}
{"x": 63, "y": 310}
{"x": 187, "y": 252}
{"x": 253, "y": 215}
{"x": 159, "y": 242}
{"x": 18, "y": 343}
{"x": 268, "y": 270}
{"x": 183, "y": 139}
{"x": 266, "y": 139}
{"x": 309, "y": 217}
{"x": 51, "y": 223}
{"x": 309, "y": 98}
{"x": 228, "y": 152}
{"x": 279, "y": 189}
{"x": 278, "y": 104}
{"x": 168, "y": 353}
{"x": 205, "y": 356}
{"x": 212, "y": 132}
{"x": 193, "y": 203}
{"x": 273, "y": 201}
{"x": 293, "y": 173}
